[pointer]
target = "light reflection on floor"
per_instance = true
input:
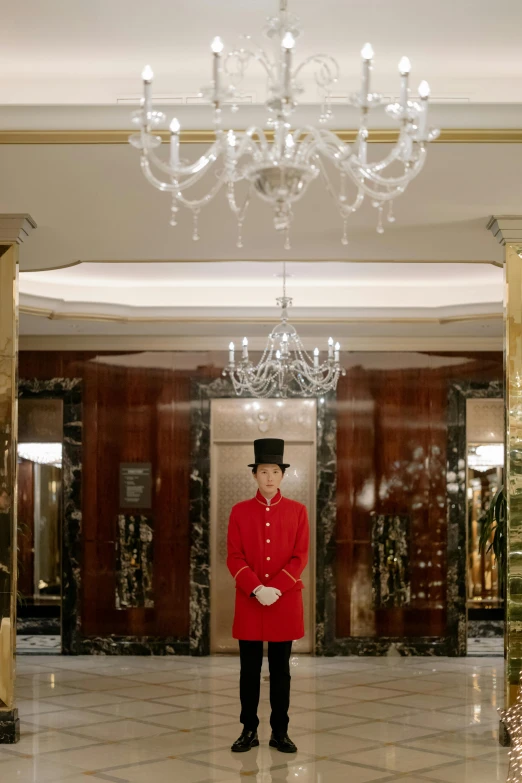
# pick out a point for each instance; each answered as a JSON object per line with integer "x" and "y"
{"x": 354, "y": 720}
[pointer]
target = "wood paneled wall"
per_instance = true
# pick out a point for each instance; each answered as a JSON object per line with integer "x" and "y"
{"x": 391, "y": 450}
{"x": 130, "y": 414}
{"x": 391, "y": 459}
{"x": 25, "y": 529}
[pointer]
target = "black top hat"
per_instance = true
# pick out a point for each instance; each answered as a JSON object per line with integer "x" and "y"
{"x": 269, "y": 451}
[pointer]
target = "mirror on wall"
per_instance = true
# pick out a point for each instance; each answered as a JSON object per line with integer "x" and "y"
{"x": 40, "y": 447}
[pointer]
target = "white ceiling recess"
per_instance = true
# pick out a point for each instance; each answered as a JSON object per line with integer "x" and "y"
{"x": 205, "y": 305}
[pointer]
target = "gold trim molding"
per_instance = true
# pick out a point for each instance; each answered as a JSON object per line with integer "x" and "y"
{"x": 383, "y": 136}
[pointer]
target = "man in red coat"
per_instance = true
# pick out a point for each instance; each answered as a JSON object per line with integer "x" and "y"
{"x": 268, "y": 538}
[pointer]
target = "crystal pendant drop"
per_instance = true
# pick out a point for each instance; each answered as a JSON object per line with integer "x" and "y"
{"x": 195, "y": 233}
{"x": 380, "y": 227}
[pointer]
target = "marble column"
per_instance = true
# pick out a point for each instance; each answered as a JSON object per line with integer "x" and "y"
{"x": 508, "y": 231}
{"x": 13, "y": 230}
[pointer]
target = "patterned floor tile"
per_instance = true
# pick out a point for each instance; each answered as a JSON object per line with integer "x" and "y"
{"x": 132, "y": 719}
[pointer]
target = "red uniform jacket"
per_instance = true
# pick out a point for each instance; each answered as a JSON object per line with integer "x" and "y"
{"x": 268, "y": 545}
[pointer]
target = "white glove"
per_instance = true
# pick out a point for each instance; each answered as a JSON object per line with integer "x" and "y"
{"x": 267, "y": 595}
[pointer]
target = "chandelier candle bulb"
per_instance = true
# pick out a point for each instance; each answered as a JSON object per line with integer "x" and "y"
{"x": 245, "y": 348}
{"x": 288, "y": 45}
{"x": 316, "y": 358}
{"x": 367, "y": 55}
{"x": 147, "y": 75}
{"x": 231, "y": 353}
{"x": 217, "y": 47}
{"x": 330, "y": 347}
{"x": 337, "y": 349}
{"x": 404, "y": 70}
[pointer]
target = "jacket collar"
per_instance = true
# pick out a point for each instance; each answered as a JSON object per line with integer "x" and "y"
{"x": 275, "y": 500}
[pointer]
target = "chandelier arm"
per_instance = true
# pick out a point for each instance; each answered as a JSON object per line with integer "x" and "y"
{"x": 394, "y": 156}
{"x": 207, "y": 198}
{"x": 239, "y": 211}
{"x": 200, "y": 165}
{"x": 386, "y": 182}
{"x": 344, "y": 208}
{"x": 258, "y": 54}
{"x": 190, "y": 181}
{"x": 165, "y": 187}
{"x": 325, "y": 60}
{"x": 175, "y": 185}
{"x": 380, "y": 195}
{"x": 248, "y": 145}
{"x": 323, "y": 137}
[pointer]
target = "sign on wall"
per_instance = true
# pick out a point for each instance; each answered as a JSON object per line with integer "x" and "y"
{"x": 135, "y": 484}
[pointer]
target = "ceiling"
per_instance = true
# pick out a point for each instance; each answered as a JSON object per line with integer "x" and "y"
{"x": 72, "y": 65}
{"x": 91, "y": 203}
{"x": 73, "y": 52}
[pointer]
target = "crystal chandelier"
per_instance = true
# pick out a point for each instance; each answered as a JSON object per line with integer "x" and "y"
{"x": 278, "y": 164}
{"x": 285, "y": 368}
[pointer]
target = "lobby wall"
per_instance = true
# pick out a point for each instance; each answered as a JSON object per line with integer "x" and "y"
{"x": 391, "y": 467}
{"x": 391, "y": 462}
{"x": 130, "y": 414}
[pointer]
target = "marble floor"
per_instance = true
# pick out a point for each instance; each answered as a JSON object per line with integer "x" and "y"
{"x": 485, "y": 645}
{"x": 354, "y": 720}
{"x": 38, "y": 644}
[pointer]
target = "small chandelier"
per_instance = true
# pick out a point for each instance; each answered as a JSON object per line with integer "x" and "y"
{"x": 279, "y": 163}
{"x": 285, "y": 368}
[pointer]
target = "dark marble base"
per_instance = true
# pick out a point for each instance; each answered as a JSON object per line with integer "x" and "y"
{"x": 485, "y": 629}
{"x": 503, "y": 735}
{"x": 135, "y": 645}
{"x": 389, "y": 646}
{"x": 9, "y": 727}
{"x": 36, "y": 626}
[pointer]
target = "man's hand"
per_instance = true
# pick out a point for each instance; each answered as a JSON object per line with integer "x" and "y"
{"x": 267, "y": 595}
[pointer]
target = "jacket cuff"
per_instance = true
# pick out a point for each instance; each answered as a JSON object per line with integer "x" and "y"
{"x": 247, "y": 580}
{"x": 282, "y": 581}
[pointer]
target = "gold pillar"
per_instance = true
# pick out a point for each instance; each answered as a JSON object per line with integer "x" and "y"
{"x": 508, "y": 231}
{"x": 13, "y": 229}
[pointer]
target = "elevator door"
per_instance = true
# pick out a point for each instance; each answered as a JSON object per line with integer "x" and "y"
{"x": 234, "y": 425}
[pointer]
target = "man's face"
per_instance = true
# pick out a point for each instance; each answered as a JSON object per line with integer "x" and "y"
{"x": 268, "y": 478}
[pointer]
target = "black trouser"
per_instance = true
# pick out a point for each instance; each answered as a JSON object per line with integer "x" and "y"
{"x": 251, "y": 656}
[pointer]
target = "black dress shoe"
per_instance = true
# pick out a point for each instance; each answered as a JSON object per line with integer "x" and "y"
{"x": 282, "y": 743}
{"x": 247, "y": 740}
